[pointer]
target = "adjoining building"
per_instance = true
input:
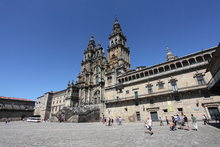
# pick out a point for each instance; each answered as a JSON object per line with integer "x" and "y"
{"x": 176, "y": 86}
{"x": 15, "y": 108}
{"x": 52, "y": 102}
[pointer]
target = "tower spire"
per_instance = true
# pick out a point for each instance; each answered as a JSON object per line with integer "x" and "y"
{"x": 91, "y": 45}
{"x": 170, "y": 55}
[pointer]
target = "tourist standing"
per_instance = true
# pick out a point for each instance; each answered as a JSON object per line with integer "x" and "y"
{"x": 178, "y": 121}
{"x": 104, "y": 121}
{"x": 167, "y": 120}
{"x": 148, "y": 125}
{"x": 161, "y": 121}
{"x": 120, "y": 121}
{"x": 204, "y": 119}
{"x": 109, "y": 121}
{"x": 194, "y": 123}
{"x": 117, "y": 120}
{"x": 186, "y": 122}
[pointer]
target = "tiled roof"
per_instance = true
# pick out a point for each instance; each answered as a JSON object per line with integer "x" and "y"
{"x": 13, "y": 98}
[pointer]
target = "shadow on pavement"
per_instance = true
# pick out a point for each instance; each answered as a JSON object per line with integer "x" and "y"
{"x": 216, "y": 125}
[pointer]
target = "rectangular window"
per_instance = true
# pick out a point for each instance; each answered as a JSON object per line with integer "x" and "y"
{"x": 165, "y": 110}
{"x": 97, "y": 79}
{"x": 180, "y": 109}
{"x": 200, "y": 80}
{"x": 150, "y": 90}
{"x": 127, "y": 91}
{"x": 174, "y": 87}
{"x": 160, "y": 85}
{"x": 136, "y": 94}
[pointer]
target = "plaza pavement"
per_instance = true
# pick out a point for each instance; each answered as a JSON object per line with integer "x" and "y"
{"x": 46, "y": 134}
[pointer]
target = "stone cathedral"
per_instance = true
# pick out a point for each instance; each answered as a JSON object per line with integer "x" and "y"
{"x": 176, "y": 86}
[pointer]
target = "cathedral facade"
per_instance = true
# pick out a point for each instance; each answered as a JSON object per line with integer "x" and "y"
{"x": 176, "y": 86}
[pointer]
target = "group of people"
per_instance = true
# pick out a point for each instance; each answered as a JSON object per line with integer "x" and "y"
{"x": 175, "y": 122}
{"x": 182, "y": 123}
{"x": 110, "y": 121}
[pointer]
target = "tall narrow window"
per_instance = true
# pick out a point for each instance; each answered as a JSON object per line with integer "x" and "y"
{"x": 200, "y": 78}
{"x": 97, "y": 79}
{"x": 136, "y": 94}
{"x": 173, "y": 84}
{"x": 149, "y": 88}
{"x": 160, "y": 85}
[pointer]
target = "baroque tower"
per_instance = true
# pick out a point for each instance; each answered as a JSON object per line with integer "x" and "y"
{"x": 91, "y": 78}
{"x": 118, "y": 52}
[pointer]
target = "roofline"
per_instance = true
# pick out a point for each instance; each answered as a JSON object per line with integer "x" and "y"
{"x": 179, "y": 58}
{"x": 13, "y": 98}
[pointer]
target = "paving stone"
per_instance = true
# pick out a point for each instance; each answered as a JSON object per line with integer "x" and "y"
{"x": 46, "y": 134}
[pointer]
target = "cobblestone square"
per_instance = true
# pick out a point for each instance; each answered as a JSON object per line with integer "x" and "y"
{"x": 25, "y": 134}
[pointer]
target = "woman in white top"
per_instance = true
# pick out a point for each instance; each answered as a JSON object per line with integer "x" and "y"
{"x": 148, "y": 125}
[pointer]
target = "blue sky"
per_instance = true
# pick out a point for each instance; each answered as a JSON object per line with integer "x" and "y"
{"x": 42, "y": 41}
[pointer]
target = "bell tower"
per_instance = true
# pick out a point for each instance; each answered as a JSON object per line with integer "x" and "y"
{"x": 118, "y": 52}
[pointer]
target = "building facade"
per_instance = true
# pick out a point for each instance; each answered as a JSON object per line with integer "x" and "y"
{"x": 176, "y": 86}
{"x": 15, "y": 108}
{"x": 51, "y": 102}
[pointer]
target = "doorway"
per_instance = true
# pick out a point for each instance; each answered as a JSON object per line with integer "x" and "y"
{"x": 138, "y": 116}
{"x": 154, "y": 116}
{"x": 213, "y": 111}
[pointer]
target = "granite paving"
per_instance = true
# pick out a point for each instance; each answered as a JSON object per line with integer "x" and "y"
{"x": 48, "y": 134}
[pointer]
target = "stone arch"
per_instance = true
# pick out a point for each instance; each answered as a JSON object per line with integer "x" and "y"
{"x": 161, "y": 69}
{"x": 178, "y": 65}
{"x": 207, "y": 57}
{"x": 192, "y": 61}
{"x": 199, "y": 59}
{"x": 185, "y": 63}
{"x": 167, "y": 68}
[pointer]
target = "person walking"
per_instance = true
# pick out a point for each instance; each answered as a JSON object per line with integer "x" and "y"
{"x": 194, "y": 123}
{"x": 148, "y": 125}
